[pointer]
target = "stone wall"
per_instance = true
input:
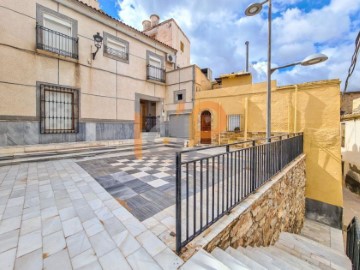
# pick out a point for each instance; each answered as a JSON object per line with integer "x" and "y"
{"x": 14, "y": 133}
{"x": 279, "y": 207}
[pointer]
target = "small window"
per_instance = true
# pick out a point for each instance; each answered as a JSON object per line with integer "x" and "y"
{"x": 116, "y": 48}
{"x": 233, "y": 122}
{"x": 181, "y": 46}
{"x": 56, "y": 33}
{"x": 59, "y": 109}
{"x": 179, "y": 96}
{"x": 343, "y": 125}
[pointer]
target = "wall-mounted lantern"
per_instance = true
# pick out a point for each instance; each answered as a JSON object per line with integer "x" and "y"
{"x": 97, "y": 42}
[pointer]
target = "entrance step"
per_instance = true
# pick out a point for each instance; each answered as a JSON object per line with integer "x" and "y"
{"x": 292, "y": 251}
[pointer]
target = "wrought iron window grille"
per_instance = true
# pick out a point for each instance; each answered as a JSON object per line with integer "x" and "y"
{"x": 155, "y": 73}
{"x": 59, "y": 109}
{"x": 56, "y": 42}
{"x": 116, "y": 53}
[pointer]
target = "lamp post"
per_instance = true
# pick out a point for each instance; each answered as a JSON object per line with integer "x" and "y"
{"x": 252, "y": 10}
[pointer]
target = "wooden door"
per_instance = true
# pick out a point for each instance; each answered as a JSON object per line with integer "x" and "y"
{"x": 205, "y": 127}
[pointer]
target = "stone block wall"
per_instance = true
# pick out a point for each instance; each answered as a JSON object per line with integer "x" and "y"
{"x": 17, "y": 133}
{"x": 280, "y": 207}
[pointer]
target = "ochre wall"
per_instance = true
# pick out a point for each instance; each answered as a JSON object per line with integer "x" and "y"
{"x": 236, "y": 80}
{"x": 312, "y": 108}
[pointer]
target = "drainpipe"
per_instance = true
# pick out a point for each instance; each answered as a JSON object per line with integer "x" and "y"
{"x": 247, "y": 56}
{"x": 295, "y": 109}
{"x": 246, "y": 118}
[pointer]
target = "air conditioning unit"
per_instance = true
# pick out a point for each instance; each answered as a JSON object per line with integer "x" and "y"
{"x": 170, "y": 58}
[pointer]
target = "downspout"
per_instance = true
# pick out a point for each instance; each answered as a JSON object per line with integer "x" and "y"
{"x": 246, "y": 118}
{"x": 247, "y": 56}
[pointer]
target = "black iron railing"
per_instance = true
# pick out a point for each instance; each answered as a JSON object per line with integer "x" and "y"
{"x": 56, "y": 42}
{"x": 155, "y": 73}
{"x": 150, "y": 124}
{"x": 353, "y": 243}
{"x": 116, "y": 53}
{"x": 208, "y": 187}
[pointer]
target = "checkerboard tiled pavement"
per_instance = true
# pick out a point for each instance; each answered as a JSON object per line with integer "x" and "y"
{"x": 54, "y": 215}
{"x": 144, "y": 186}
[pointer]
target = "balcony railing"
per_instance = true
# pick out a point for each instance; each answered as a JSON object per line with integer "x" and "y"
{"x": 116, "y": 53}
{"x": 56, "y": 42}
{"x": 155, "y": 73}
{"x": 207, "y": 188}
{"x": 353, "y": 243}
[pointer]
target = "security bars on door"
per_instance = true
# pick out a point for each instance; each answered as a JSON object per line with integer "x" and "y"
{"x": 59, "y": 109}
{"x": 56, "y": 42}
{"x": 207, "y": 188}
{"x": 155, "y": 73}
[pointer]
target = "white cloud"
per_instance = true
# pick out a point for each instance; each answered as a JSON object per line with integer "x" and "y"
{"x": 218, "y": 32}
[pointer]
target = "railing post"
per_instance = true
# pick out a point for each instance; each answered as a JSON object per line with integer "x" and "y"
{"x": 253, "y": 166}
{"x": 178, "y": 202}
{"x": 281, "y": 154}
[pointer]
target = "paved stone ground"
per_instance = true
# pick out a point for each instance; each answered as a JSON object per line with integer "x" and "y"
{"x": 144, "y": 186}
{"x": 54, "y": 215}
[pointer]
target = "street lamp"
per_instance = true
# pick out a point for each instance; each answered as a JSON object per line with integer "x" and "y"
{"x": 308, "y": 61}
{"x": 97, "y": 42}
{"x": 252, "y": 10}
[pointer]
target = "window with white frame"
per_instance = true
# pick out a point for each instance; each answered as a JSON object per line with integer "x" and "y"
{"x": 116, "y": 48}
{"x": 233, "y": 122}
{"x": 155, "y": 69}
{"x": 59, "y": 109}
{"x": 56, "y": 32}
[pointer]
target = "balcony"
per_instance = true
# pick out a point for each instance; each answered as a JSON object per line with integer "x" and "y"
{"x": 116, "y": 54}
{"x": 155, "y": 73}
{"x": 56, "y": 42}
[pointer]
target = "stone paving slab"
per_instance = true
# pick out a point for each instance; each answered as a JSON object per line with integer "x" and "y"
{"x": 146, "y": 185}
{"x": 54, "y": 215}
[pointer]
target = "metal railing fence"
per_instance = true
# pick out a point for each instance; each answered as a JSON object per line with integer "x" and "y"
{"x": 208, "y": 187}
{"x": 353, "y": 243}
{"x": 155, "y": 73}
{"x": 56, "y": 42}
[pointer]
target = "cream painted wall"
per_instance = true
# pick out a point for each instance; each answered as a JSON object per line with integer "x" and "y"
{"x": 104, "y": 82}
{"x": 351, "y": 151}
{"x": 312, "y": 108}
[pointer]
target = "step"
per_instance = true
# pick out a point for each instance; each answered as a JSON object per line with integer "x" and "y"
{"x": 261, "y": 258}
{"x": 290, "y": 258}
{"x": 311, "y": 249}
{"x": 203, "y": 260}
{"x": 333, "y": 255}
{"x": 244, "y": 259}
{"x": 277, "y": 260}
{"x": 228, "y": 260}
{"x": 304, "y": 257}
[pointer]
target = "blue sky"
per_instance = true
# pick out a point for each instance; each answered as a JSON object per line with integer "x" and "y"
{"x": 218, "y": 30}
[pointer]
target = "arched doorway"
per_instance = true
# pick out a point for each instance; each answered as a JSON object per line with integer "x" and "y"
{"x": 205, "y": 127}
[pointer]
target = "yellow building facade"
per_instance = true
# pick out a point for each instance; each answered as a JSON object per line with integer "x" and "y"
{"x": 312, "y": 108}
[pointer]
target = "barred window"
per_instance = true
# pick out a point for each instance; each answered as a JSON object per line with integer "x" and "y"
{"x": 233, "y": 122}
{"x": 59, "y": 109}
